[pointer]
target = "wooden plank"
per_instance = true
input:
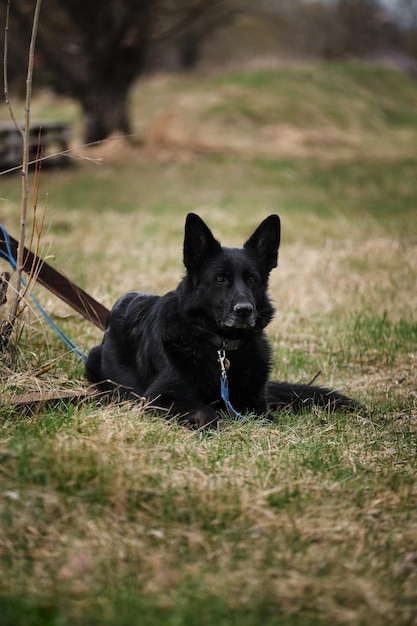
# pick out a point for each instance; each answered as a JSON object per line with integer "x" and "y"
{"x": 33, "y": 401}
{"x": 60, "y": 285}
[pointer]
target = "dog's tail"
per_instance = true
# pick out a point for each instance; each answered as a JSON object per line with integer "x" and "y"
{"x": 298, "y": 397}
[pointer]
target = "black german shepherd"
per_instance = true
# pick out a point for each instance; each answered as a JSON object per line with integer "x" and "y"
{"x": 176, "y": 350}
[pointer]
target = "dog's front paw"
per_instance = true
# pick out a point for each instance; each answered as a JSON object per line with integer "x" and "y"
{"x": 200, "y": 418}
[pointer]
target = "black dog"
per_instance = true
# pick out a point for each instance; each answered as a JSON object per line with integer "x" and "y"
{"x": 174, "y": 350}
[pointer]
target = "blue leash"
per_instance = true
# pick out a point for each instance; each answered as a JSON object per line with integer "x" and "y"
{"x": 224, "y": 386}
{"x": 9, "y": 257}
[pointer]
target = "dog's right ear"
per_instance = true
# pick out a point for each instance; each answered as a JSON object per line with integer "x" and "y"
{"x": 198, "y": 242}
{"x": 265, "y": 241}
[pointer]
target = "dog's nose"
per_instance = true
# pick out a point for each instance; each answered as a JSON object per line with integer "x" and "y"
{"x": 243, "y": 310}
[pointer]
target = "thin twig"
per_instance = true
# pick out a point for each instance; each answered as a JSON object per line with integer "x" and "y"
{"x": 78, "y": 157}
{"x": 5, "y": 71}
{"x": 313, "y": 380}
{"x": 36, "y": 228}
{"x": 25, "y": 167}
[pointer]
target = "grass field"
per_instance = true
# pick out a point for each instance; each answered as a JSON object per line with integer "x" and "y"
{"x": 112, "y": 517}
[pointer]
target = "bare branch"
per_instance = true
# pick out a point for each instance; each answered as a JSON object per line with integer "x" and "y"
{"x": 25, "y": 168}
{"x": 5, "y": 70}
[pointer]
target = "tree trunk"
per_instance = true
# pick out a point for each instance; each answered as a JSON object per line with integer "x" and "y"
{"x": 105, "y": 112}
{"x": 95, "y": 50}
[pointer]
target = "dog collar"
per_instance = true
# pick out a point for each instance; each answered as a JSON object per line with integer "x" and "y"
{"x": 221, "y": 343}
{"x": 231, "y": 344}
{"x": 225, "y": 344}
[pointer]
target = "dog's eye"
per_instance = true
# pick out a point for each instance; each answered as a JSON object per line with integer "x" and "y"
{"x": 220, "y": 278}
{"x": 252, "y": 279}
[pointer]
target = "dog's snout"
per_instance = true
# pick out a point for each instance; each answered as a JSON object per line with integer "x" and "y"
{"x": 243, "y": 310}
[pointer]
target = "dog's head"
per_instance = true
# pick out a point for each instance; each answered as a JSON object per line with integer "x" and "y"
{"x": 227, "y": 287}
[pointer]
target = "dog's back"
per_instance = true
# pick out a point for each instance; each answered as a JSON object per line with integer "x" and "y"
{"x": 123, "y": 362}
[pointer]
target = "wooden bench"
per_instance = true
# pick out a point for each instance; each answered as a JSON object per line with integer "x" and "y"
{"x": 52, "y": 137}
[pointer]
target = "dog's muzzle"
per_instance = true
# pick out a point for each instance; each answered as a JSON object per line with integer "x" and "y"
{"x": 243, "y": 316}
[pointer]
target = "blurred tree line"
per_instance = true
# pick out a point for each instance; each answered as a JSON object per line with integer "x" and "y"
{"x": 93, "y": 51}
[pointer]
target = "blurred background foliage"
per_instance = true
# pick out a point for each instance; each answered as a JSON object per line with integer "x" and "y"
{"x": 94, "y": 52}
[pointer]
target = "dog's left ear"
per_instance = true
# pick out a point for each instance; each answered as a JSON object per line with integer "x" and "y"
{"x": 199, "y": 242}
{"x": 265, "y": 241}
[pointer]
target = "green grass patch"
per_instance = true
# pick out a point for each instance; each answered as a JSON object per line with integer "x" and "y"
{"x": 339, "y": 93}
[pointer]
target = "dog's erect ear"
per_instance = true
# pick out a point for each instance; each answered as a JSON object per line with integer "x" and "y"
{"x": 265, "y": 241}
{"x": 198, "y": 242}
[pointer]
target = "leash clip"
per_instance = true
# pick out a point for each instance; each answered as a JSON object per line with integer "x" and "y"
{"x": 224, "y": 384}
{"x": 224, "y": 362}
